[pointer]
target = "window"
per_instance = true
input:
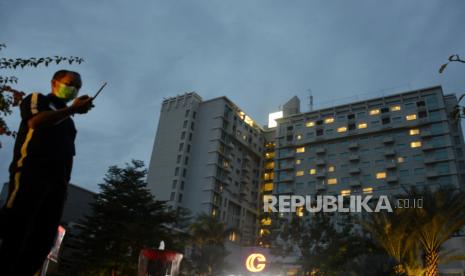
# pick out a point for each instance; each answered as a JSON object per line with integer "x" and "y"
{"x": 329, "y": 131}
{"x": 173, "y": 194}
{"x": 415, "y": 144}
{"x": 298, "y": 161}
{"x": 384, "y": 110}
{"x": 351, "y": 116}
{"x": 374, "y": 111}
{"x": 331, "y": 169}
{"x": 312, "y": 171}
{"x": 300, "y": 150}
{"x": 414, "y": 131}
{"x": 332, "y": 181}
{"x": 400, "y": 159}
{"x": 187, "y": 113}
{"x": 345, "y": 192}
{"x": 319, "y": 132}
{"x": 368, "y": 190}
{"x": 176, "y": 171}
{"x": 411, "y": 117}
{"x": 419, "y": 171}
{"x": 442, "y": 167}
{"x": 329, "y": 120}
{"x": 267, "y": 187}
{"x": 395, "y": 108}
{"x": 362, "y": 125}
{"x": 380, "y": 175}
{"x": 342, "y": 129}
{"x": 299, "y": 173}
{"x": 422, "y": 114}
{"x": 403, "y": 173}
{"x": 178, "y": 159}
{"x": 298, "y": 137}
{"x": 180, "y": 198}
{"x": 184, "y": 125}
{"x": 386, "y": 120}
{"x": 310, "y": 124}
{"x": 174, "y": 184}
{"x": 181, "y": 146}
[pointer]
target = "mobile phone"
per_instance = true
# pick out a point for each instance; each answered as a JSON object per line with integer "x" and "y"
{"x": 100, "y": 90}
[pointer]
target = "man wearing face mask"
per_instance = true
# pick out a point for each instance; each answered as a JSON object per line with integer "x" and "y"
{"x": 39, "y": 174}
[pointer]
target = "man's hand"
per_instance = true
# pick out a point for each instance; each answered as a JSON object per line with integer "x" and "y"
{"x": 82, "y": 104}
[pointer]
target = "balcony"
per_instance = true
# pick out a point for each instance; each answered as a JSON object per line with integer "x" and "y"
{"x": 431, "y": 174}
{"x": 354, "y": 170}
{"x": 320, "y": 162}
{"x": 320, "y": 151}
{"x": 320, "y": 187}
{"x": 427, "y": 147}
{"x": 392, "y": 179}
{"x": 430, "y": 160}
{"x": 353, "y": 145}
{"x": 321, "y": 175}
{"x": 425, "y": 134}
{"x": 354, "y": 157}
{"x": 388, "y": 140}
{"x": 391, "y": 166}
{"x": 390, "y": 152}
{"x": 355, "y": 183}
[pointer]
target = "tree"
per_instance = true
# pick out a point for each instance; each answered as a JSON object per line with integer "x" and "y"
{"x": 125, "y": 218}
{"x": 10, "y": 97}
{"x": 407, "y": 234}
{"x": 324, "y": 245}
{"x": 208, "y": 248}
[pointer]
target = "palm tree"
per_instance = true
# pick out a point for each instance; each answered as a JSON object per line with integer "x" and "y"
{"x": 441, "y": 216}
{"x": 208, "y": 237}
{"x": 393, "y": 232}
{"x": 405, "y": 233}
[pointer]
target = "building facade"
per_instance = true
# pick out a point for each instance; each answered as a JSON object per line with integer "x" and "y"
{"x": 207, "y": 158}
{"x": 210, "y": 157}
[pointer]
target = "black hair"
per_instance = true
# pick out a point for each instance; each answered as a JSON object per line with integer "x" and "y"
{"x": 61, "y": 73}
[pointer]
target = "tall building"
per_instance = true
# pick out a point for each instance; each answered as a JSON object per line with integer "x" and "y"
{"x": 207, "y": 158}
{"x": 210, "y": 157}
{"x": 376, "y": 146}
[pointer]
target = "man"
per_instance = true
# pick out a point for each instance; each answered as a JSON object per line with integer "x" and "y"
{"x": 39, "y": 174}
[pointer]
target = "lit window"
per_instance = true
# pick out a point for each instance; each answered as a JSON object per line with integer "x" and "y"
{"x": 395, "y": 108}
{"x": 329, "y": 120}
{"x": 312, "y": 171}
{"x": 342, "y": 129}
{"x": 345, "y": 192}
{"x": 300, "y": 150}
{"x": 269, "y": 155}
{"x": 267, "y": 187}
{"x": 233, "y": 236}
{"x": 381, "y": 175}
{"x": 214, "y": 212}
{"x": 368, "y": 190}
{"x": 414, "y": 131}
{"x": 309, "y": 124}
{"x": 332, "y": 181}
{"x": 269, "y": 165}
{"x": 298, "y": 161}
{"x": 300, "y": 211}
{"x": 415, "y": 144}
{"x": 299, "y": 136}
{"x": 362, "y": 125}
{"x": 400, "y": 159}
{"x": 266, "y": 221}
{"x": 411, "y": 117}
{"x": 299, "y": 173}
{"x": 374, "y": 111}
{"x": 331, "y": 169}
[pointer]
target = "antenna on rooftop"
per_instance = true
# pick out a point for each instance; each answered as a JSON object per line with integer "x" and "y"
{"x": 310, "y": 99}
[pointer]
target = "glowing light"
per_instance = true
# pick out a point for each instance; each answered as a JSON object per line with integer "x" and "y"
{"x": 272, "y": 117}
{"x": 255, "y": 262}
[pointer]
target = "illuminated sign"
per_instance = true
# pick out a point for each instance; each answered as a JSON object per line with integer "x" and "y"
{"x": 255, "y": 262}
{"x": 272, "y": 118}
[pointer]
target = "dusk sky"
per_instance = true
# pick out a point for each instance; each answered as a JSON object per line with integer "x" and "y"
{"x": 259, "y": 53}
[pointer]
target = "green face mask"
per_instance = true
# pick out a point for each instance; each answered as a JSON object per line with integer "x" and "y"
{"x": 65, "y": 92}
